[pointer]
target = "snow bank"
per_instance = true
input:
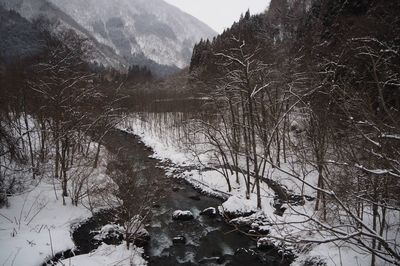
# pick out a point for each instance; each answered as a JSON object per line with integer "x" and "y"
{"x": 37, "y": 226}
{"x": 238, "y": 206}
{"x": 162, "y": 149}
{"x": 333, "y": 254}
{"x": 107, "y": 255}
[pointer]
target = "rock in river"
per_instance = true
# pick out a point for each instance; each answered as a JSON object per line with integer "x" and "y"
{"x": 210, "y": 212}
{"x": 195, "y": 197}
{"x": 182, "y": 215}
{"x": 176, "y": 189}
{"x": 179, "y": 240}
{"x": 142, "y": 238}
{"x": 265, "y": 243}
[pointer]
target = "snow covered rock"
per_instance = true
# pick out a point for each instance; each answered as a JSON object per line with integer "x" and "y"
{"x": 182, "y": 215}
{"x": 210, "y": 212}
{"x": 141, "y": 238}
{"x": 195, "y": 197}
{"x": 262, "y": 229}
{"x": 247, "y": 256}
{"x": 265, "y": 243}
{"x": 110, "y": 234}
{"x": 279, "y": 206}
{"x": 236, "y": 207}
{"x": 179, "y": 240}
{"x": 212, "y": 261}
{"x": 284, "y": 250}
{"x": 256, "y": 223}
{"x": 176, "y": 189}
{"x": 109, "y": 230}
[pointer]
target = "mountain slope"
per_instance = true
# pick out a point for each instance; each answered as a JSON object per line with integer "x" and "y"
{"x": 19, "y": 39}
{"x": 160, "y": 31}
{"x": 59, "y": 24}
{"x": 124, "y": 31}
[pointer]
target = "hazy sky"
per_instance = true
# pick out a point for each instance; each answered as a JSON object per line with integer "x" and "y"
{"x": 219, "y": 14}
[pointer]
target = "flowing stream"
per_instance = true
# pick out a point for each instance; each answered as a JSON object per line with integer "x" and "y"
{"x": 207, "y": 240}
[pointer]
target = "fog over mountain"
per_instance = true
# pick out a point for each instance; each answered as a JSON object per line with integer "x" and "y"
{"x": 123, "y": 32}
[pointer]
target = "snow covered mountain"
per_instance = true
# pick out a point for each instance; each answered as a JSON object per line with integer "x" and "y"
{"x": 123, "y": 32}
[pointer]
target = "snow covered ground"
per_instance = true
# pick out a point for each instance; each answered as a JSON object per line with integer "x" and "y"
{"x": 167, "y": 148}
{"x": 35, "y": 225}
{"x": 108, "y": 255}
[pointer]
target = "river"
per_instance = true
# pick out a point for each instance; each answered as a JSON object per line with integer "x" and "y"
{"x": 207, "y": 240}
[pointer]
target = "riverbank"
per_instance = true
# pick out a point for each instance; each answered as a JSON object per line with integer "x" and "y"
{"x": 37, "y": 228}
{"x": 272, "y": 225}
{"x": 179, "y": 168}
{"x": 36, "y": 225}
{"x": 202, "y": 239}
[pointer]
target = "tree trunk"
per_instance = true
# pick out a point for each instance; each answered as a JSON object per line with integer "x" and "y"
{"x": 96, "y": 159}
{"x": 30, "y": 145}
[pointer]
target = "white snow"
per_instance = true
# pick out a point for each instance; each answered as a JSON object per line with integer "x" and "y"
{"x": 239, "y": 206}
{"x": 334, "y": 254}
{"x": 107, "y": 255}
{"x": 179, "y": 213}
{"x": 39, "y": 226}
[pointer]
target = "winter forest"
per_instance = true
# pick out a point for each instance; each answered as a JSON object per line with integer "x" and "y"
{"x": 131, "y": 133}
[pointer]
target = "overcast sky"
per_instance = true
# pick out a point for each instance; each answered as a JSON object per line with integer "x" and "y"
{"x": 219, "y": 14}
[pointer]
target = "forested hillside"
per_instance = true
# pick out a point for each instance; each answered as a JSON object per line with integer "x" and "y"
{"x": 311, "y": 90}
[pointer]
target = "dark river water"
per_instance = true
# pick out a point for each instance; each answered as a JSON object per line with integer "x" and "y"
{"x": 208, "y": 240}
